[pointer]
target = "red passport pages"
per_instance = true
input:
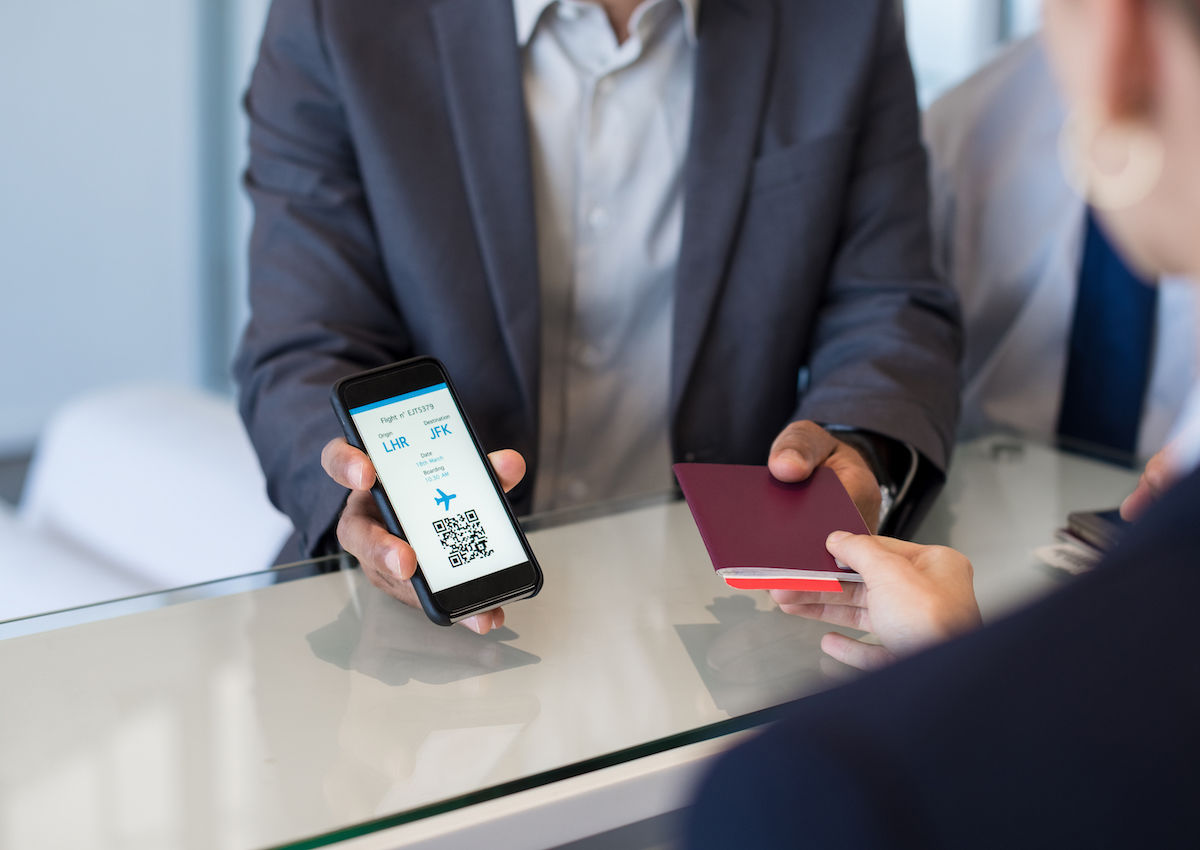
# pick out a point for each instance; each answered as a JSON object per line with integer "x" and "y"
{"x": 764, "y": 534}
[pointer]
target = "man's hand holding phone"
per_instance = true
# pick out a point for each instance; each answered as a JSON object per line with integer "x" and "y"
{"x": 388, "y": 561}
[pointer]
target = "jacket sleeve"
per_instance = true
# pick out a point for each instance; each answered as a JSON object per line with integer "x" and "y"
{"x": 887, "y": 342}
{"x": 320, "y": 303}
{"x": 776, "y": 792}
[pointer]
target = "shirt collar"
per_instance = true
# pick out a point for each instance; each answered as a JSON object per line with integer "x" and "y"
{"x": 529, "y": 12}
{"x": 691, "y": 14}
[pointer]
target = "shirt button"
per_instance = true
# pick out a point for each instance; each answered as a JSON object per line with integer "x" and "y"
{"x": 604, "y": 87}
{"x": 577, "y": 489}
{"x": 568, "y": 11}
{"x": 597, "y": 217}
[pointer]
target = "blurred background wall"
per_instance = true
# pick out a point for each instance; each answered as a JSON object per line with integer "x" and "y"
{"x": 122, "y": 222}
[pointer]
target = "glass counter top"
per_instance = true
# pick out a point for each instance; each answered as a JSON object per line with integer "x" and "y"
{"x": 262, "y": 711}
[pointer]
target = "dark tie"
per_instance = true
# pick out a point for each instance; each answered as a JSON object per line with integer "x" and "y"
{"x": 1108, "y": 362}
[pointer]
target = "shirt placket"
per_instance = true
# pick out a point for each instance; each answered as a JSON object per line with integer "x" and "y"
{"x": 597, "y": 201}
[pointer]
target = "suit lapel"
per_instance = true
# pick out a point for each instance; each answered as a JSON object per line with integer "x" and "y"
{"x": 481, "y": 65}
{"x": 732, "y": 66}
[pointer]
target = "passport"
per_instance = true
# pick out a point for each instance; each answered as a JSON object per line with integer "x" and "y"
{"x": 766, "y": 534}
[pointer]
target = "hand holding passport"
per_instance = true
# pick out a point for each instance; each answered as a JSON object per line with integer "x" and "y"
{"x": 762, "y": 533}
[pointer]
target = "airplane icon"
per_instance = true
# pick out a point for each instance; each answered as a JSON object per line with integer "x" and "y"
{"x": 444, "y": 498}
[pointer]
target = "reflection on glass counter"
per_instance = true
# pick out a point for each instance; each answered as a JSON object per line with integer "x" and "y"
{"x": 261, "y": 711}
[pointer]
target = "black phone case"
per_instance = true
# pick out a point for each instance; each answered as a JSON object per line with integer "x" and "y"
{"x": 1100, "y": 529}
{"x": 424, "y": 593}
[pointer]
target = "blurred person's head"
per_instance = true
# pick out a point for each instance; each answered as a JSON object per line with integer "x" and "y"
{"x": 1130, "y": 72}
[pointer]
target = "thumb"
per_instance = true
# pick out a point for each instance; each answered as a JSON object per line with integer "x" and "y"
{"x": 869, "y": 556}
{"x": 799, "y": 449}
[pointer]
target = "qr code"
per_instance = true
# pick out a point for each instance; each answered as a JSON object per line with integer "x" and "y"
{"x": 464, "y": 537}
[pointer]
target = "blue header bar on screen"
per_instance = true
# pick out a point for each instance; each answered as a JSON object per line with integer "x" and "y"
{"x": 396, "y": 398}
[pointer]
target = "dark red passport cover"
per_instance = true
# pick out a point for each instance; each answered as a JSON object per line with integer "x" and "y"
{"x": 748, "y": 519}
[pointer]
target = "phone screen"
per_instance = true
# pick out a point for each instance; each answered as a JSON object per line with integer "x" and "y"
{"x": 436, "y": 481}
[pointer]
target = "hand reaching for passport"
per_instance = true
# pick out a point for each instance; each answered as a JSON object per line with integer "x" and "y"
{"x": 911, "y": 596}
{"x": 386, "y": 560}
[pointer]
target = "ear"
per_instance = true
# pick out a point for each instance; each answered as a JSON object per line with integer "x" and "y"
{"x": 1126, "y": 59}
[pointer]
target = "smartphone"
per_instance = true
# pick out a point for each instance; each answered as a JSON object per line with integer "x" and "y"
{"x": 436, "y": 489}
{"x": 1099, "y": 529}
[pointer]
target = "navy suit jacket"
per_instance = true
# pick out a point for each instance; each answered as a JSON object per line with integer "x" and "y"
{"x": 1075, "y": 723}
{"x": 391, "y": 180}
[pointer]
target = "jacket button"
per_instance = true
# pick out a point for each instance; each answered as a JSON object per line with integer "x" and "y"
{"x": 690, "y": 457}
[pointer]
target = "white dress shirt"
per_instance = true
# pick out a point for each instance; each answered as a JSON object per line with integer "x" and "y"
{"x": 1009, "y": 233}
{"x": 1183, "y": 449}
{"x": 609, "y": 129}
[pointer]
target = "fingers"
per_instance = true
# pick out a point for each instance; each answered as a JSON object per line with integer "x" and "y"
{"x": 873, "y": 542}
{"x": 849, "y": 616}
{"x": 803, "y": 446}
{"x": 799, "y": 449}
{"x": 509, "y": 466}
{"x": 483, "y": 623}
{"x": 1157, "y": 473}
{"x": 871, "y": 556}
{"x": 347, "y": 465}
{"x": 1137, "y": 502}
{"x": 363, "y": 535}
{"x": 387, "y": 561}
{"x": 853, "y": 594}
{"x": 383, "y": 579}
{"x": 855, "y": 653}
{"x": 1155, "y": 480}
{"x": 353, "y": 470}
